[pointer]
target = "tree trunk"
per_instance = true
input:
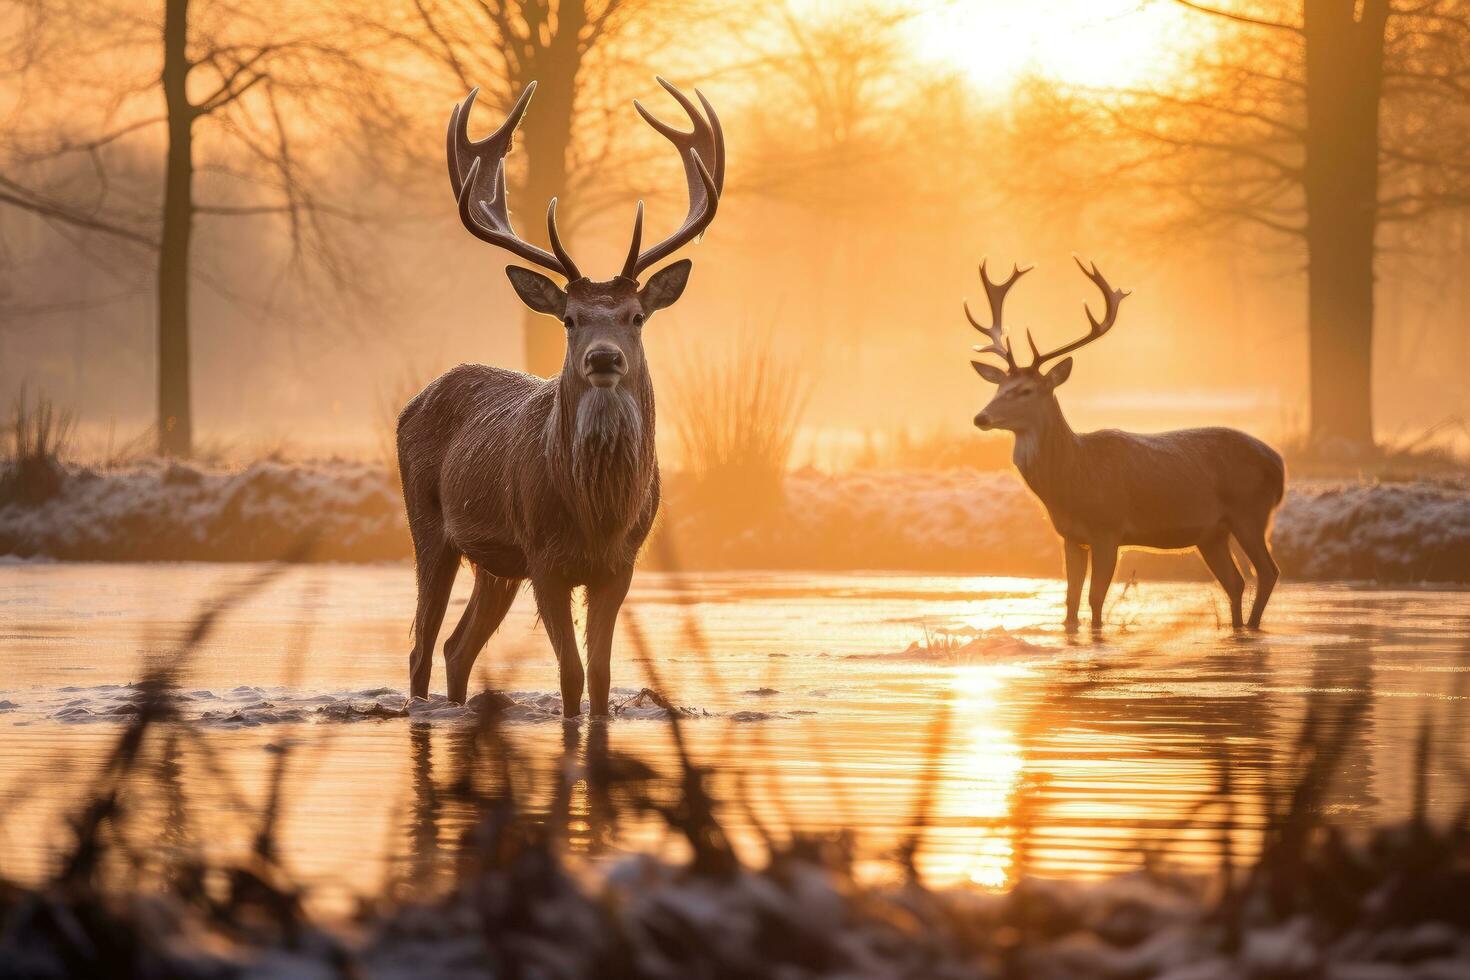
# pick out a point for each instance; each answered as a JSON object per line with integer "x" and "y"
{"x": 546, "y": 147}
{"x": 546, "y": 344}
{"x": 175, "y": 419}
{"x": 548, "y": 139}
{"x": 546, "y": 151}
{"x": 547, "y": 134}
{"x": 1344, "y": 72}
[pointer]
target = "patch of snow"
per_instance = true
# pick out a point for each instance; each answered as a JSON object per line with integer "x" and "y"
{"x": 954, "y": 520}
{"x": 252, "y": 707}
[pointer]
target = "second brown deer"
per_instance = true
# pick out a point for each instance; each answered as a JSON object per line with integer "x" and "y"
{"x": 552, "y": 480}
{"x": 1191, "y": 488}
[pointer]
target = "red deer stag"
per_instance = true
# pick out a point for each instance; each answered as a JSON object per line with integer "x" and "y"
{"x": 1192, "y": 488}
{"x": 551, "y": 480}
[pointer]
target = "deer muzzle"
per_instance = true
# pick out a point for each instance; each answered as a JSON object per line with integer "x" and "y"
{"x": 604, "y": 366}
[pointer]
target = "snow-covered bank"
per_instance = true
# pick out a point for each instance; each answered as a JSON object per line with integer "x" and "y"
{"x": 164, "y": 511}
{"x": 964, "y": 520}
{"x": 956, "y": 520}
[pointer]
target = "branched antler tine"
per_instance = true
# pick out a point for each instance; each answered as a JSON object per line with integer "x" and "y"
{"x": 567, "y": 264}
{"x": 630, "y": 264}
{"x": 494, "y": 208}
{"x": 701, "y": 212}
{"x": 456, "y": 183}
{"x": 477, "y": 176}
{"x": 682, "y": 141}
{"x": 976, "y": 323}
{"x": 496, "y": 236}
{"x": 500, "y": 201}
{"x": 705, "y": 140}
{"x": 717, "y": 143}
{"x": 708, "y": 185}
{"x": 1113, "y": 298}
{"x": 995, "y": 294}
{"x": 684, "y": 101}
{"x": 1096, "y": 328}
{"x": 994, "y": 347}
{"x": 659, "y": 126}
{"x": 492, "y": 148}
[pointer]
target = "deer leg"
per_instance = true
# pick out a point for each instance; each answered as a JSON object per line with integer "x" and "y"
{"x": 437, "y": 565}
{"x": 1104, "y": 561}
{"x": 488, "y": 604}
{"x": 1252, "y": 538}
{"x": 554, "y": 602}
{"x": 1215, "y": 550}
{"x": 1076, "y": 559}
{"x": 604, "y": 599}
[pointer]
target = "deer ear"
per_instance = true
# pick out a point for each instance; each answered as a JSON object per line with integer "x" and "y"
{"x": 1061, "y": 372}
{"x": 989, "y": 372}
{"x": 665, "y": 286}
{"x": 537, "y": 291}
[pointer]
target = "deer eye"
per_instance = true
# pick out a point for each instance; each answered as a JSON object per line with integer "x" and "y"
{"x": 570, "y": 322}
{"x": 637, "y": 319}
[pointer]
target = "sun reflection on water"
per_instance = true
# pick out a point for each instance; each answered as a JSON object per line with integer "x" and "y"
{"x": 1060, "y": 756}
{"x": 982, "y": 774}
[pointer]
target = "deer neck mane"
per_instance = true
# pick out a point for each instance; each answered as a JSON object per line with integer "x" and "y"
{"x": 601, "y": 440}
{"x": 1046, "y": 454}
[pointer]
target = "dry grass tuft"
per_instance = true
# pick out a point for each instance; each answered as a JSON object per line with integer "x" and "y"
{"x": 31, "y": 473}
{"x": 736, "y": 428}
{"x": 1426, "y": 454}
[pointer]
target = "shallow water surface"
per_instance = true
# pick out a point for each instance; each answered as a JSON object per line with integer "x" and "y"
{"x": 872, "y": 702}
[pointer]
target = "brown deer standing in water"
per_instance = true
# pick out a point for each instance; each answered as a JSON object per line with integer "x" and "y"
{"x": 1192, "y": 488}
{"x": 553, "y": 480}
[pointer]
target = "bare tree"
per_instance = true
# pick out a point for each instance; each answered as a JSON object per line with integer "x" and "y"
{"x": 573, "y": 50}
{"x": 1320, "y": 121}
{"x": 241, "y": 93}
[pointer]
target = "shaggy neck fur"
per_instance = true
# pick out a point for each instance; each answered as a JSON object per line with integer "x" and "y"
{"x": 604, "y": 439}
{"x": 1045, "y": 454}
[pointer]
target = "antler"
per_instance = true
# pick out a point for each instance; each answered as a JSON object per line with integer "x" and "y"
{"x": 477, "y": 176}
{"x": 1113, "y": 298}
{"x": 702, "y": 151}
{"x": 996, "y": 294}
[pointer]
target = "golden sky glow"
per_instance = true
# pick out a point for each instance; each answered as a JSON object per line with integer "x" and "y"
{"x": 1083, "y": 42}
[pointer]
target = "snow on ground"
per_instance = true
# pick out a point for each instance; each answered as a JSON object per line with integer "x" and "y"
{"x": 169, "y": 511}
{"x": 248, "y": 706}
{"x": 955, "y": 520}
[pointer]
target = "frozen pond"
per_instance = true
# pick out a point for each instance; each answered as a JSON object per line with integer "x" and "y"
{"x": 1063, "y": 756}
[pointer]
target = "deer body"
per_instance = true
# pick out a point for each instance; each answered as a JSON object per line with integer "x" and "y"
{"x": 507, "y": 492}
{"x": 1144, "y": 490}
{"x": 553, "y": 481}
{"x": 1191, "y": 488}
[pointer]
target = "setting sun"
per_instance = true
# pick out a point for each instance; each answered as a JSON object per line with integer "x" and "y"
{"x": 1078, "y": 42}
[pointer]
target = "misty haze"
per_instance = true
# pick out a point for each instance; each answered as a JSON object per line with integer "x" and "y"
{"x": 868, "y": 489}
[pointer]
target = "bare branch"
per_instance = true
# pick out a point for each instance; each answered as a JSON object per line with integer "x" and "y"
{"x": 28, "y": 200}
{"x": 1238, "y": 17}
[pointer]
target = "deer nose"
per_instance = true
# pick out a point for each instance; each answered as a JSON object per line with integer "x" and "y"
{"x": 982, "y": 421}
{"x": 605, "y": 360}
